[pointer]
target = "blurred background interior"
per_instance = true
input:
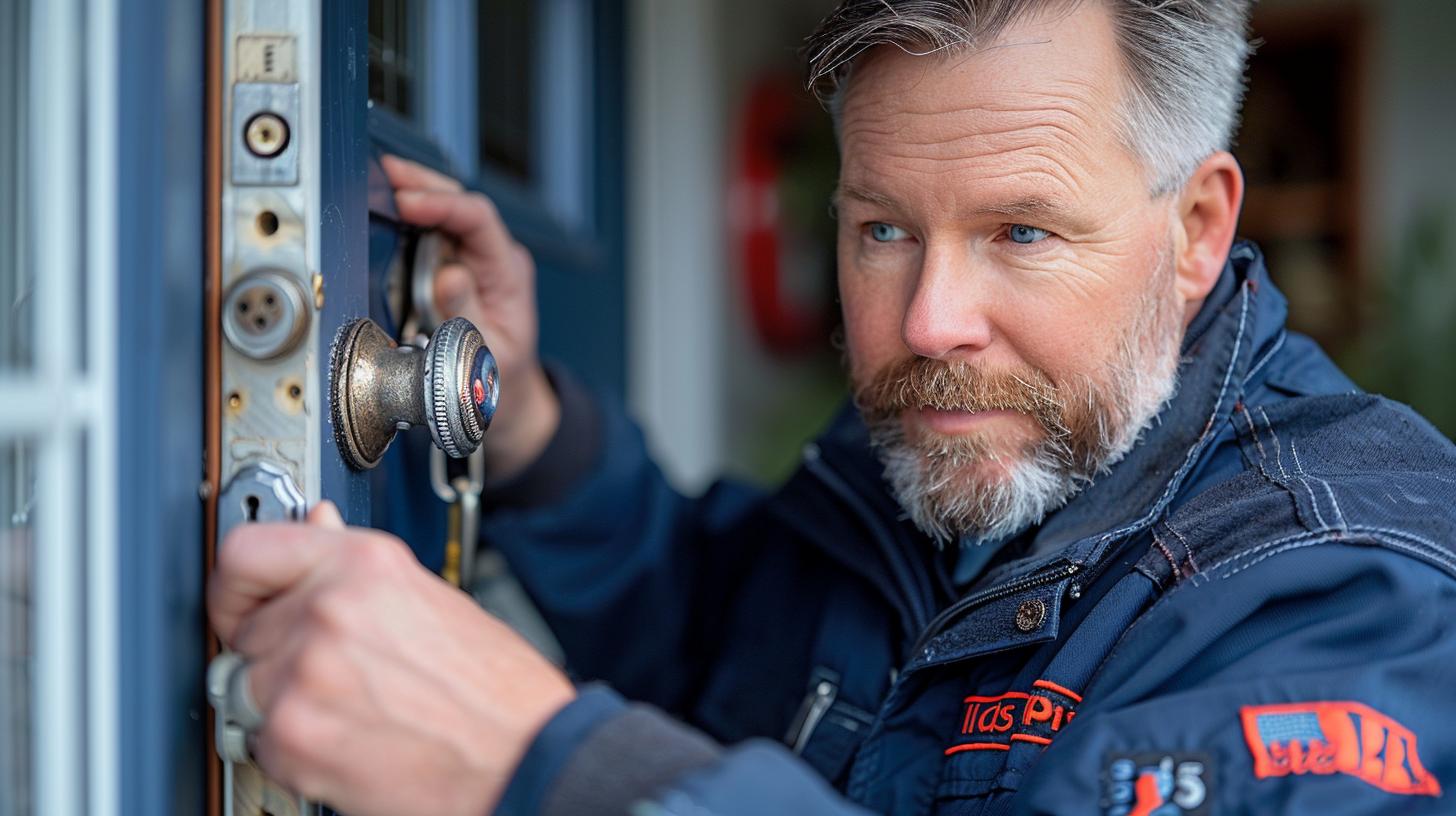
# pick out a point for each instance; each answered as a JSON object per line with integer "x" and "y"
{"x": 727, "y": 283}
{"x": 671, "y": 176}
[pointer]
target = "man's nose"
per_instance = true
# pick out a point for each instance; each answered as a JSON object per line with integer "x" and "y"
{"x": 947, "y": 317}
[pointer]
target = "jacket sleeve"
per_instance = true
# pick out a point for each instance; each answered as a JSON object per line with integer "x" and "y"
{"x": 629, "y": 574}
{"x": 600, "y": 755}
{"x": 1309, "y": 678}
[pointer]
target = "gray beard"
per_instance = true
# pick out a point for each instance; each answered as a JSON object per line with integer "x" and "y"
{"x": 933, "y": 479}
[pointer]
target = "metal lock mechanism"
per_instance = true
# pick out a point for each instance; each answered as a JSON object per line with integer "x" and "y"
{"x": 451, "y": 386}
{"x": 265, "y": 314}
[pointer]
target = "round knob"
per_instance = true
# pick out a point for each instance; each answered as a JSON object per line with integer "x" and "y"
{"x": 462, "y": 386}
{"x": 378, "y": 388}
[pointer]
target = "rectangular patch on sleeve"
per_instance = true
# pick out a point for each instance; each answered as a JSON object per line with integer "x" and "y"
{"x": 1294, "y": 739}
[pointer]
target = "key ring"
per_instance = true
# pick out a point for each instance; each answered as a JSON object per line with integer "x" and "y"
{"x": 449, "y": 490}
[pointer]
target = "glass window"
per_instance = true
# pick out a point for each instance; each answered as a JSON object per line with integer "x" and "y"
{"x": 17, "y": 494}
{"x": 508, "y": 85}
{"x": 16, "y": 275}
{"x": 393, "y": 62}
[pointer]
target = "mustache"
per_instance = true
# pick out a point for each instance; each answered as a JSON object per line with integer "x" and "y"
{"x": 958, "y": 385}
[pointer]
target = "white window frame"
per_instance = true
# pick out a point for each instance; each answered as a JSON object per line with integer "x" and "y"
{"x": 67, "y": 412}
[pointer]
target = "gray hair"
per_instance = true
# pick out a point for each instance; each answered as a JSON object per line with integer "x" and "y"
{"x": 1184, "y": 58}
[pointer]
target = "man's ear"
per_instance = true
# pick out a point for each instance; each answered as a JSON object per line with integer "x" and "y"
{"x": 1207, "y": 215}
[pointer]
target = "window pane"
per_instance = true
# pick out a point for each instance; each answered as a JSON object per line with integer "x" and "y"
{"x": 17, "y": 493}
{"x": 508, "y": 84}
{"x": 16, "y": 277}
{"x": 392, "y": 58}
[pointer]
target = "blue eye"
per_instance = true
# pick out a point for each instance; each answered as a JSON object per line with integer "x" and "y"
{"x": 1022, "y": 234}
{"x": 885, "y": 233}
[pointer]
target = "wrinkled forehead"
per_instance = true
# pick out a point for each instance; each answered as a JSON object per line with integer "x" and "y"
{"x": 1049, "y": 83}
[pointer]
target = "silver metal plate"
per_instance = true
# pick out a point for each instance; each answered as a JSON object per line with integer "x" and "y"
{"x": 259, "y": 492}
{"x": 249, "y": 100}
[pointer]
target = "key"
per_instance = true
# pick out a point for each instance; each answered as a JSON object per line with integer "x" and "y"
{"x": 462, "y": 524}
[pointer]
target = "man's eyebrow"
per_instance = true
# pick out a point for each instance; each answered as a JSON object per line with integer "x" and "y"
{"x": 1028, "y": 206}
{"x": 844, "y": 191}
{"x": 1021, "y": 208}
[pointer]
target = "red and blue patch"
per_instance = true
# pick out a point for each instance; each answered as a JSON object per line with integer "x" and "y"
{"x": 1323, "y": 738}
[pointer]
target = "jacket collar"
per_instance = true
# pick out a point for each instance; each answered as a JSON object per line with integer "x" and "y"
{"x": 1240, "y": 322}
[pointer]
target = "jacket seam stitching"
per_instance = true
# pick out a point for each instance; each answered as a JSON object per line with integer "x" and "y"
{"x": 1268, "y": 355}
{"x": 1298, "y": 470}
{"x": 1329, "y": 538}
{"x": 1263, "y": 464}
{"x": 1435, "y": 553}
{"x": 1167, "y": 553}
{"x": 1187, "y": 548}
{"x": 1287, "y": 481}
{"x": 1334, "y": 503}
{"x": 1191, "y": 456}
{"x": 1427, "y": 547}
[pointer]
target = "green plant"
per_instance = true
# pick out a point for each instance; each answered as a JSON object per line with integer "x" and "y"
{"x": 1408, "y": 353}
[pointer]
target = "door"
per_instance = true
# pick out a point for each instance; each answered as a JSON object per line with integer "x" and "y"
{"x": 145, "y": 198}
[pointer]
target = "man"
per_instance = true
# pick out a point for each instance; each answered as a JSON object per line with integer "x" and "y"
{"x": 1102, "y": 536}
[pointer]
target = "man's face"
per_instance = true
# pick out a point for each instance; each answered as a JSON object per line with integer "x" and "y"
{"x": 1007, "y": 284}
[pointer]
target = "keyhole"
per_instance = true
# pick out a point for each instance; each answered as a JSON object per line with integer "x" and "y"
{"x": 251, "y": 503}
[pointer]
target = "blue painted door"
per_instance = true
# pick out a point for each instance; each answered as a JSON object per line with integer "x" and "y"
{"x": 521, "y": 100}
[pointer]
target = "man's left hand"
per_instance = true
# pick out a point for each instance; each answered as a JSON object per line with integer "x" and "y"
{"x": 384, "y": 690}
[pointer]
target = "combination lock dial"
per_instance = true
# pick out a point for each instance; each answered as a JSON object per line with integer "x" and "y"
{"x": 451, "y": 386}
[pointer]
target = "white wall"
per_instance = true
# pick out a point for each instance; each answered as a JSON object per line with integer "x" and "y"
{"x": 698, "y": 381}
{"x": 675, "y": 265}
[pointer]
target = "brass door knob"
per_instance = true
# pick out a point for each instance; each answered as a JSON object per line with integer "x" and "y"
{"x": 378, "y": 387}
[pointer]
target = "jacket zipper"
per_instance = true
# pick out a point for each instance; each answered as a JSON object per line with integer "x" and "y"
{"x": 1047, "y": 575}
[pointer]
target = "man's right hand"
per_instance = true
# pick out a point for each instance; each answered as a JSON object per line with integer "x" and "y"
{"x": 490, "y": 281}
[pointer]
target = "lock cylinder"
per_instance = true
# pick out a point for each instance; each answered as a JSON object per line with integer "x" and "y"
{"x": 264, "y": 314}
{"x": 378, "y": 388}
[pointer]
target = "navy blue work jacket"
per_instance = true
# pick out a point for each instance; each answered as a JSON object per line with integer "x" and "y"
{"x": 1252, "y": 613}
